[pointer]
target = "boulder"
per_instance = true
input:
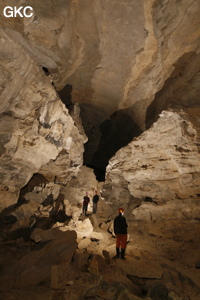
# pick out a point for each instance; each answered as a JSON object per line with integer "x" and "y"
{"x": 36, "y": 267}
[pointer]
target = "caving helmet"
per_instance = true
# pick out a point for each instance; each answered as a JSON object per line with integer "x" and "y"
{"x": 120, "y": 210}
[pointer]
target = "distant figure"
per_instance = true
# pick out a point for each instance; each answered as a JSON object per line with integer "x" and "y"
{"x": 120, "y": 230}
{"x": 86, "y": 201}
{"x": 95, "y": 200}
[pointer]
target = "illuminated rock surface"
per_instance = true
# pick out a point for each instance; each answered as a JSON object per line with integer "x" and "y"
{"x": 100, "y": 84}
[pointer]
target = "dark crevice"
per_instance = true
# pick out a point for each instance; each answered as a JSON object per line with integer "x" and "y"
{"x": 116, "y": 133}
{"x": 66, "y": 96}
{"x": 149, "y": 199}
{"x": 46, "y": 71}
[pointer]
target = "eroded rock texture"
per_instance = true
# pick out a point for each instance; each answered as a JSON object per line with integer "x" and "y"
{"x": 162, "y": 163}
{"x": 35, "y": 126}
{"x": 139, "y": 56}
{"x": 99, "y": 73}
{"x": 86, "y": 44}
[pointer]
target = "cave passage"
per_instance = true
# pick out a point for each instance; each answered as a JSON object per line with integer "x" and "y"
{"x": 105, "y": 136}
{"x": 116, "y": 133}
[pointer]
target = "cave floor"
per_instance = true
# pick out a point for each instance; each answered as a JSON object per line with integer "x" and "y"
{"x": 154, "y": 255}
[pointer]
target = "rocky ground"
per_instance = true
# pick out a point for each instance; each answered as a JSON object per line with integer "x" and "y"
{"x": 47, "y": 261}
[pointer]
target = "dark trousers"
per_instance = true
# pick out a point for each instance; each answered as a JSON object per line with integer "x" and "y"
{"x": 94, "y": 208}
{"x": 85, "y": 209}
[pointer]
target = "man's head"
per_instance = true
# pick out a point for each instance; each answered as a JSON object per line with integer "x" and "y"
{"x": 121, "y": 211}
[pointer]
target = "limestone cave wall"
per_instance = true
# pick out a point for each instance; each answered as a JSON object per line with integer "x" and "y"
{"x": 111, "y": 86}
{"x": 161, "y": 165}
{"x": 137, "y": 56}
{"x": 36, "y": 128}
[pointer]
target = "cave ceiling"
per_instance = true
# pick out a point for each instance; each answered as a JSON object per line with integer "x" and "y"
{"x": 115, "y": 54}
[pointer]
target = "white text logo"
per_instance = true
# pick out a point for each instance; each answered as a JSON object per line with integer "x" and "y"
{"x": 10, "y": 11}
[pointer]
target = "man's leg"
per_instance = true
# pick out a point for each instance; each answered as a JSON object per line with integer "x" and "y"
{"x": 94, "y": 208}
{"x": 123, "y": 245}
{"x": 118, "y": 252}
{"x": 122, "y": 253}
{"x": 118, "y": 245}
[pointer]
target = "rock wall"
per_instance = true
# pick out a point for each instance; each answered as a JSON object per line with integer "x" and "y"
{"x": 161, "y": 164}
{"x": 171, "y": 45}
{"x": 36, "y": 128}
{"x": 129, "y": 61}
{"x": 142, "y": 56}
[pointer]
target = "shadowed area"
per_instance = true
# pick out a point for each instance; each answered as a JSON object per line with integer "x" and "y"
{"x": 178, "y": 91}
{"x": 116, "y": 133}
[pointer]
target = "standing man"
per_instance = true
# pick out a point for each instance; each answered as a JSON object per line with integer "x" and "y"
{"x": 120, "y": 230}
{"x": 95, "y": 200}
{"x": 86, "y": 201}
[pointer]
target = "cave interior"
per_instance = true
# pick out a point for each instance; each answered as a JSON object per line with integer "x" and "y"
{"x": 100, "y": 96}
